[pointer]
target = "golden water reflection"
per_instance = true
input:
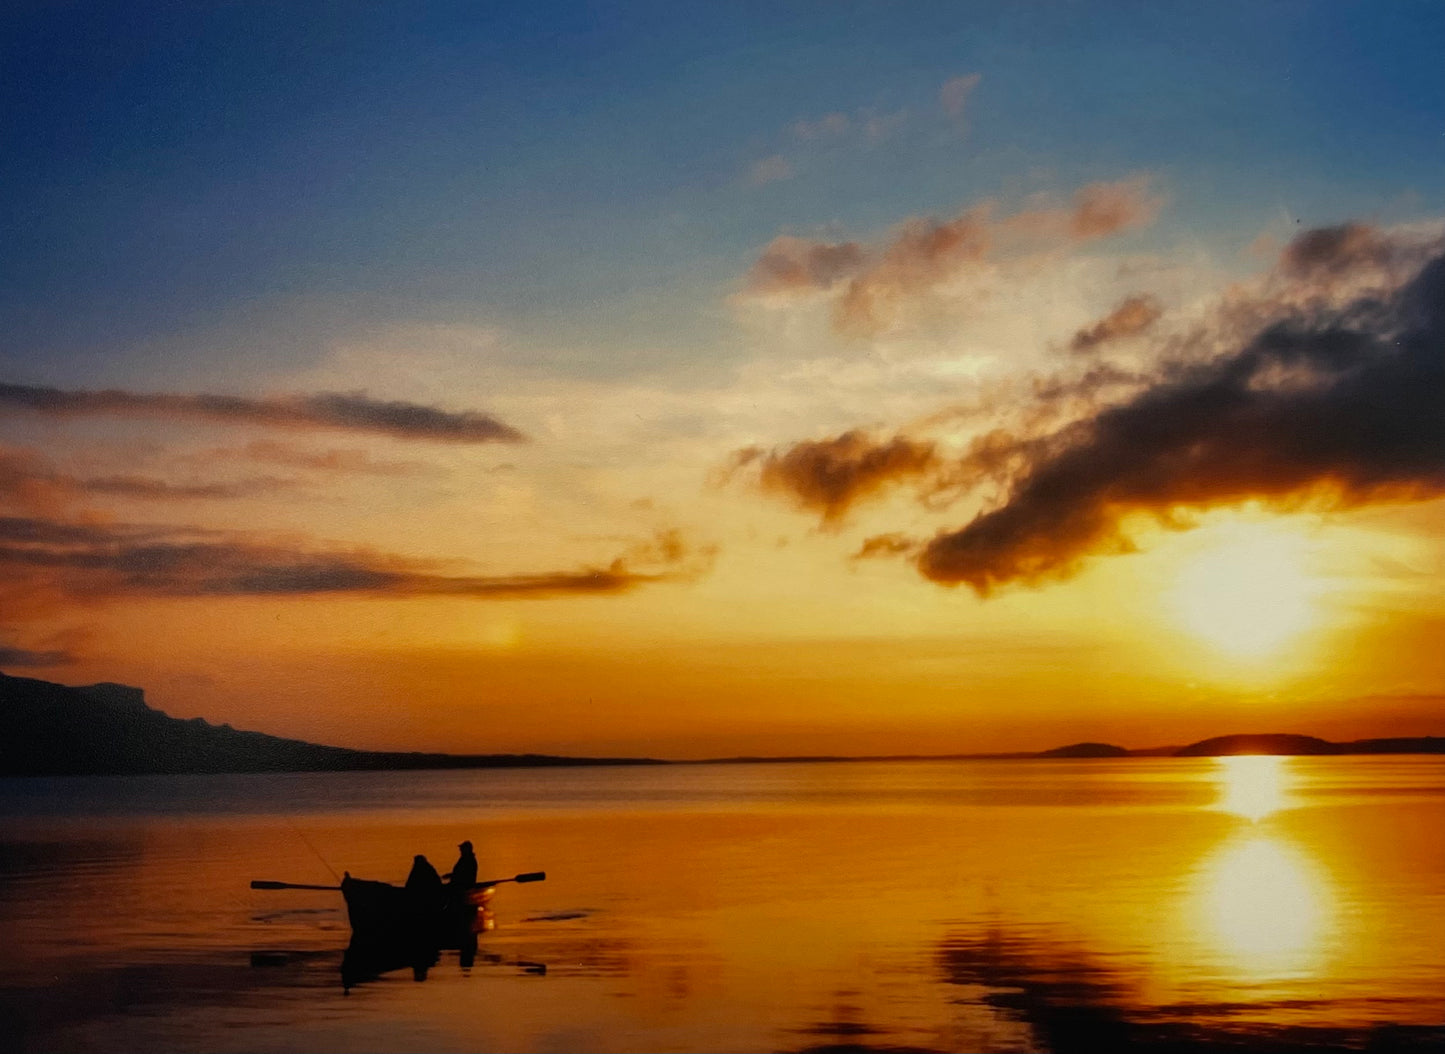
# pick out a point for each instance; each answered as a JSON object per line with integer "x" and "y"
{"x": 1266, "y": 906}
{"x": 1262, "y": 902}
{"x": 1254, "y": 785}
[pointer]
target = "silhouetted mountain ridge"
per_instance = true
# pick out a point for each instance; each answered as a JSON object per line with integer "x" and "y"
{"x": 50, "y": 729}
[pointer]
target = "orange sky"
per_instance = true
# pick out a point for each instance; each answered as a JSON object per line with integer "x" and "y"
{"x": 944, "y": 417}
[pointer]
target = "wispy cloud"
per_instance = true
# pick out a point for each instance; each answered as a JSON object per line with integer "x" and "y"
{"x": 31, "y": 481}
{"x": 772, "y": 169}
{"x": 790, "y": 265}
{"x": 354, "y": 412}
{"x": 833, "y": 125}
{"x": 828, "y": 476}
{"x": 117, "y": 560}
{"x": 892, "y": 543}
{"x": 1130, "y": 317}
{"x": 358, "y": 462}
{"x": 955, "y": 93}
{"x": 874, "y": 285}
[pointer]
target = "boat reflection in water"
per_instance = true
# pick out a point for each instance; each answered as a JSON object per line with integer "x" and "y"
{"x": 390, "y": 931}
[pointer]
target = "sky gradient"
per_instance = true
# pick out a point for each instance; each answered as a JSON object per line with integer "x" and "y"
{"x": 696, "y": 380}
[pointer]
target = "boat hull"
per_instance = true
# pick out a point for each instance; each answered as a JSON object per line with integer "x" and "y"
{"x": 383, "y": 914}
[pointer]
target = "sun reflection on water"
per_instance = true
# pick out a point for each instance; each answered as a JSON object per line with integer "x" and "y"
{"x": 1254, "y": 785}
{"x": 1265, "y": 905}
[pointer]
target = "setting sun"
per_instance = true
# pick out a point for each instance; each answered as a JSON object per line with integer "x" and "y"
{"x": 1249, "y": 594}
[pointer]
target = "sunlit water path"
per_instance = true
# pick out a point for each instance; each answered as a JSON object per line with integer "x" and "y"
{"x": 1282, "y": 903}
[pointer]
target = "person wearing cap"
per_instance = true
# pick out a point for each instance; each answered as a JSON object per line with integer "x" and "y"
{"x": 463, "y": 874}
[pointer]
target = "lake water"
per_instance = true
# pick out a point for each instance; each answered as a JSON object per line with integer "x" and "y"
{"x": 1153, "y": 904}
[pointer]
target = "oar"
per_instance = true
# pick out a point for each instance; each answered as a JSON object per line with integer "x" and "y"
{"x": 261, "y": 883}
{"x": 530, "y": 876}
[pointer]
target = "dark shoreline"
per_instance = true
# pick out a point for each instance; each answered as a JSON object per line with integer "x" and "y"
{"x": 49, "y": 729}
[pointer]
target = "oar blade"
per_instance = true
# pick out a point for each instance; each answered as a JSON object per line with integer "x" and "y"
{"x": 533, "y": 876}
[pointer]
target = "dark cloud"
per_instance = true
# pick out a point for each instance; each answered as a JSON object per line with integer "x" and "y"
{"x": 1327, "y": 251}
{"x": 1131, "y": 316}
{"x": 1325, "y": 388}
{"x": 350, "y": 412}
{"x": 829, "y": 475}
{"x": 112, "y": 560}
{"x": 1338, "y": 406}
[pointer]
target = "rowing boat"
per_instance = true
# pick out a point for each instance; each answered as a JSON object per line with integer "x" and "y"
{"x": 381, "y": 911}
{"x": 392, "y": 927}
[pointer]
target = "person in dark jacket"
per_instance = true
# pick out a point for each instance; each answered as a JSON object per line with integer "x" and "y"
{"x": 463, "y": 874}
{"x": 423, "y": 885}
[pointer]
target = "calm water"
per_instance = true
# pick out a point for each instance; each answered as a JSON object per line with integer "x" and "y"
{"x": 1170, "y": 904}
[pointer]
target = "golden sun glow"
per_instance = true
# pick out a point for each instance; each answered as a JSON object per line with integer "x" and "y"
{"x": 1265, "y": 905}
{"x": 1253, "y": 785}
{"x": 1249, "y": 594}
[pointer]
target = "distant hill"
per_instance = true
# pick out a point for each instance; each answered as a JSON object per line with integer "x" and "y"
{"x": 1086, "y": 750}
{"x": 50, "y": 730}
{"x": 1269, "y": 743}
{"x": 1287, "y": 743}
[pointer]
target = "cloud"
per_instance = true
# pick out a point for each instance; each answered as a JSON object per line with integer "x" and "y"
{"x": 1131, "y": 316}
{"x": 25, "y": 658}
{"x": 955, "y": 93}
{"x": 891, "y": 544}
{"x": 30, "y": 481}
{"x": 772, "y": 169}
{"x": 354, "y": 412}
{"x": 1328, "y": 251}
{"x": 874, "y": 285}
{"x": 829, "y": 126}
{"x": 867, "y": 124}
{"x": 829, "y": 475}
{"x": 120, "y": 560}
{"x": 358, "y": 462}
{"x": 1333, "y": 405}
{"x": 792, "y": 265}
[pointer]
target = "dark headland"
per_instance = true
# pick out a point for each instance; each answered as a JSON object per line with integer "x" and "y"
{"x": 51, "y": 729}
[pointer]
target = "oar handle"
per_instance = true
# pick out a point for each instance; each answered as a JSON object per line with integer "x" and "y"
{"x": 260, "y": 883}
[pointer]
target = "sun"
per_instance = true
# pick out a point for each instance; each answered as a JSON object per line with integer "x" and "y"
{"x": 1249, "y": 593}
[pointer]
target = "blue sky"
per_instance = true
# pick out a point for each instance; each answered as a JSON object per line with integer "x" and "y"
{"x": 581, "y": 170}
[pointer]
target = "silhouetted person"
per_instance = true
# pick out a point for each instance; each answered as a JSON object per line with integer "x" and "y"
{"x": 464, "y": 872}
{"x": 423, "y": 885}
